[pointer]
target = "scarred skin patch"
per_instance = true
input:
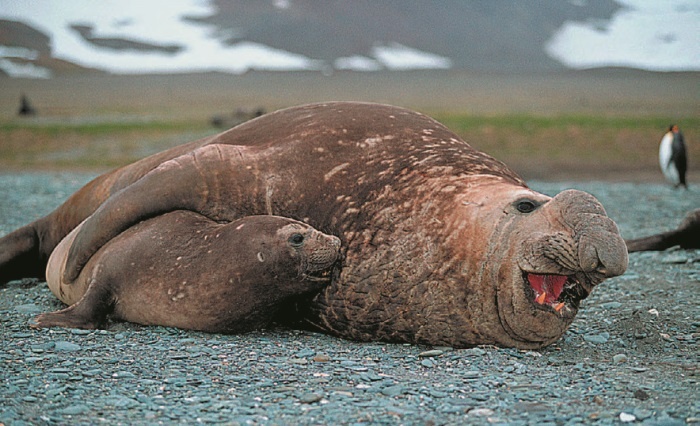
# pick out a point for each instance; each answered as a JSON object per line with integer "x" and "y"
{"x": 335, "y": 170}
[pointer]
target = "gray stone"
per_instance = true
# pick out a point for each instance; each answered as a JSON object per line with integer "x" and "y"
{"x": 29, "y": 308}
{"x": 431, "y": 353}
{"x": 619, "y": 358}
{"x": 310, "y": 398}
{"x": 73, "y": 410}
{"x": 597, "y": 338}
{"x": 62, "y": 346}
{"x": 427, "y": 363}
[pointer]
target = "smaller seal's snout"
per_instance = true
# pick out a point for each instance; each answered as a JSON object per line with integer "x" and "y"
{"x": 323, "y": 251}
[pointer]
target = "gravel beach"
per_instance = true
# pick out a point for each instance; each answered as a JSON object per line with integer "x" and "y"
{"x": 631, "y": 355}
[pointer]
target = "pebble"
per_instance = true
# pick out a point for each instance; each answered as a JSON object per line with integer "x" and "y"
{"x": 394, "y": 390}
{"x": 474, "y": 352}
{"x": 482, "y": 412}
{"x": 431, "y": 353}
{"x": 121, "y": 402}
{"x": 28, "y": 308}
{"x": 370, "y": 377}
{"x": 73, "y": 410}
{"x": 626, "y": 418}
{"x": 62, "y": 346}
{"x": 642, "y": 414}
{"x": 179, "y": 356}
{"x": 641, "y": 395}
{"x": 310, "y": 398}
{"x": 611, "y": 305}
{"x": 92, "y": 373}
{"x": 124, "y": 375}
{"x": 665, "y": 421}
{"x": 675, "y": 259}
{"x": 597, "y": 338}
{"x": 471, "y": 374}
{"x": 305, "y": 353}
{"x": 619, "y": 358}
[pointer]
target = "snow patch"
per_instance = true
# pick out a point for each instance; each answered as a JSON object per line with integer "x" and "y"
{"x": 396, "y": 56}
{"x": 158, "y": 22}
{"x": 23, "y": 70}
{"x": 357, "y": 63}
{"x": 18, "y": 52}
{"x": 646, "y": 34}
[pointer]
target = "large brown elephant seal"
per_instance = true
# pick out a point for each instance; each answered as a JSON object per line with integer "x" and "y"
{"x": 687, "y": 236}
{"x": 181, "y": 269}
{"x": 442, "y": 243}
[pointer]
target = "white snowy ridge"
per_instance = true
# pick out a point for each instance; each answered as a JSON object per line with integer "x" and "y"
{"x": 646, "y": 34}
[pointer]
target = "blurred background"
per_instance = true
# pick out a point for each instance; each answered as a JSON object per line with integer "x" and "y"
{"x": 578, "y": 89}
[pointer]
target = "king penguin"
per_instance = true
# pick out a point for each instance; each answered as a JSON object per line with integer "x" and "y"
{"x": 673, "y": 158}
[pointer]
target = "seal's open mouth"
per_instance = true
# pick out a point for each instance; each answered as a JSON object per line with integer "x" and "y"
{"x": 558, "y": 292}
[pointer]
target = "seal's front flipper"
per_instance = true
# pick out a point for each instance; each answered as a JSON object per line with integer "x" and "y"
{"x": 90, "y": 312}
{"x": 188, "y": 182}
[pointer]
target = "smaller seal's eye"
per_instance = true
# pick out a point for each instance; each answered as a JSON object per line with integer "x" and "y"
{"x": 296, "y": 240}
{"x": 526, "y": 206}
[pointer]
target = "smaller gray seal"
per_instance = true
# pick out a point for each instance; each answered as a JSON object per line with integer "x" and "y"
{"x": 181, "y": 269}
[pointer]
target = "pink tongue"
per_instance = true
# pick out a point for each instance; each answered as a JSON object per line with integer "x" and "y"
{"x": 550, "y": 285}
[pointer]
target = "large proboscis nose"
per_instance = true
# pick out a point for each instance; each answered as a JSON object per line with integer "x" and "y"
{"x": 601, "y": 249}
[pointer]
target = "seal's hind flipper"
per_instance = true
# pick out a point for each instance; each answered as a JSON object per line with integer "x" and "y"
{"x": 68, "y": 318}
{"x": 90, "y": 312}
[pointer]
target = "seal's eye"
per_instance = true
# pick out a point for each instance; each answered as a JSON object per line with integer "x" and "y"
{"x": 526, "y": 206}
{"x": 296, "y": 240}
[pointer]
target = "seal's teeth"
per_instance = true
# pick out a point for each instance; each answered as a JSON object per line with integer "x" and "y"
{"x": 559, "y": 306}
{"x": 540, "y": 299}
